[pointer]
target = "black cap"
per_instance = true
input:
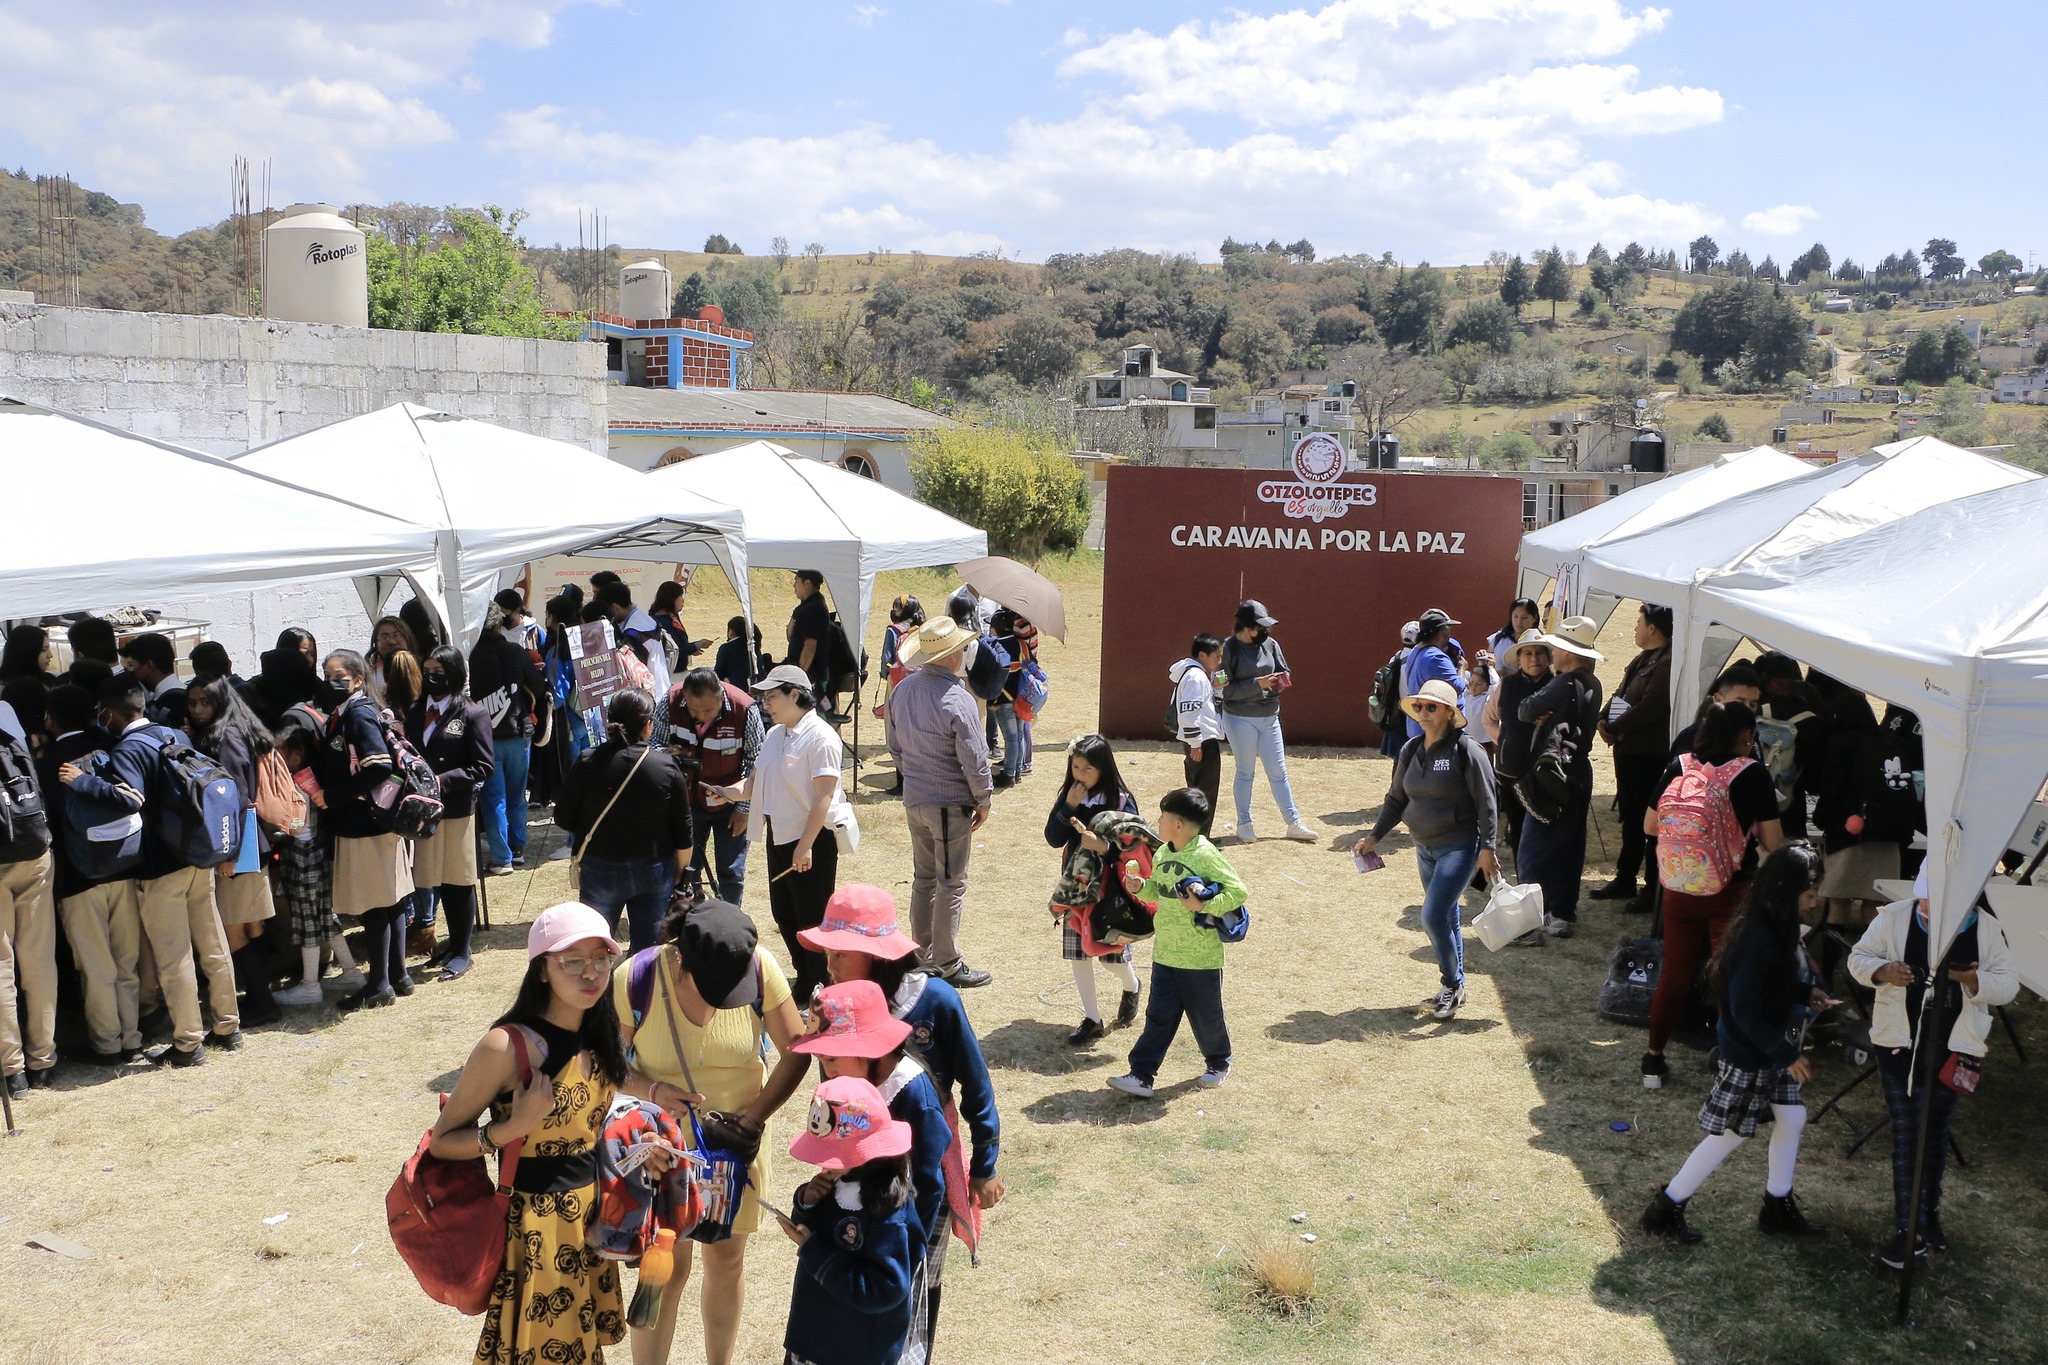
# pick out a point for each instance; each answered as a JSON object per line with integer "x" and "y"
{"x": 717, "y": 943}
{"x": 1434, "y": 620}
{"x": 1252, "y": 612}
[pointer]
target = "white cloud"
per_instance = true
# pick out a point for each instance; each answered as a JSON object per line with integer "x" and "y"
{"x": 865, "y": 15}
{"x": 1780, "y": 221}
{"x": 1459, "y": 123}
{"x": 155, "y": 100}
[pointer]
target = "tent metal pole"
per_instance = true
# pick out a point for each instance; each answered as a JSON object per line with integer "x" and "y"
{"x": 1932, "y": 1008}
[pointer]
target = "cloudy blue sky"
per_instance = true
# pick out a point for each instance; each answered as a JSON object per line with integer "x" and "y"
{"x": 1437, "y": 129}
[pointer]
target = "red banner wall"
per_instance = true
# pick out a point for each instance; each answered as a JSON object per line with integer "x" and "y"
{"x": 1184, "y": 546}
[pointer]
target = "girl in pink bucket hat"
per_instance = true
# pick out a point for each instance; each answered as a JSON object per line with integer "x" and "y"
{"x": 855, "y": 1035}
{"x": 856, "y": 1232}
{"x": 862, "y": 941}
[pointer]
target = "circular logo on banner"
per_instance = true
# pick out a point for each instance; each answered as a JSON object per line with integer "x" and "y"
{"x": 1318, "y": 458}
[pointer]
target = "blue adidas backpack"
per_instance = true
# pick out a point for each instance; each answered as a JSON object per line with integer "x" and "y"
{"x": 201, "y": 815}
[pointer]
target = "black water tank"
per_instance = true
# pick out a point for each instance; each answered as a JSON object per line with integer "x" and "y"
{"x": 1646, "y": 453}
{"x": 1383, "y": 452}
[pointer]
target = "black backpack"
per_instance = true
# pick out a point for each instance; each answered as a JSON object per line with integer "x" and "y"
{"x": 1383, "y": 701}
{"x": 1631, "y": 982}
{"x": 24, "y": 823}
{"x": 407, "y": 803}
{"x": 988, "y": 673}
{"x": 1549, "y": 787}
{"x": 1885, "y": 796}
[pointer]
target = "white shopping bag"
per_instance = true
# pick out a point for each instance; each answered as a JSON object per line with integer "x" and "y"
{"x": 1511, "y": 911}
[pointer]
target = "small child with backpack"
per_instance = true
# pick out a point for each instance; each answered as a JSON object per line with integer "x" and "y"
{"x": 1187, "y": 954}
{"x": 855, "y": 1226}
{"x": 1194, "y": 720}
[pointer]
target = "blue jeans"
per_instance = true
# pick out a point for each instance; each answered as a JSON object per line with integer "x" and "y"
{"x": 720, "y": 852}
{"x": 1253, "y": 740}
{"x": 1192, "y": 992}
{"x": 1553, "y": 856}
{"x": 501, "y": 801}
{"x": 423, "y": 907}
{"x": 639, "y": 887}
{"x": 1446, "y": 871}
{"x": 1013, "y": 740}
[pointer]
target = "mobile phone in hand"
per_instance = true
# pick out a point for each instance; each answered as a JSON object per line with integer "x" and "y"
{"x": 1368, "y": 860}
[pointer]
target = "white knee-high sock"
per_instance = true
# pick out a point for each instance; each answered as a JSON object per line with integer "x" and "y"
{"x": 1791, "y": 1122}
{"x": 1084, "y": 982}
{"x": 309, "y": 963}
{"x": 1122, "y": 971}
{"x": 1706, "y": 1158}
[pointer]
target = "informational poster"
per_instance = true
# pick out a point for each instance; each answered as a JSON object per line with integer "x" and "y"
{"x": 594, "y": 655}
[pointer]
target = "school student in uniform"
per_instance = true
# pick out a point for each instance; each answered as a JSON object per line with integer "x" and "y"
{"x": 454, "y": 737}
{"x": 102, "y": 919}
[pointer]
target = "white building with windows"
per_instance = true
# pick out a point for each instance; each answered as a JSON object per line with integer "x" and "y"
{"x": 1186, "y": 427}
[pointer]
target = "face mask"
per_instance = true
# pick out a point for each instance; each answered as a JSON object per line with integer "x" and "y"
{"x": 437, "y": 685}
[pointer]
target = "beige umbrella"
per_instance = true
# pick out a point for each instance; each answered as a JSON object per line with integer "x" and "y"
{"x": 1022, "y": 589}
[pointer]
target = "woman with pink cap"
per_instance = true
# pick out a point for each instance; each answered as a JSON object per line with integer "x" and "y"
{"x": 862, "y": 941}
{"x": 543, "y": 1077}
{"x": 856, "y": 1232}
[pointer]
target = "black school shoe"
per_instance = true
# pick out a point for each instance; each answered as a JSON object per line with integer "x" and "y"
{"x": 1127, "y": 1011}
{"x": 1781, "y": 1216}
{"x": 1666, "y": 1218}
{"x": 17, "y": 1086}
{"x": 42, "y": 1080}
{"x": 1616, "y": 890}
{"x": 178, "y": 1057}
{"x": 1088, "y": 1032}
{"x": 226, "y": 1042}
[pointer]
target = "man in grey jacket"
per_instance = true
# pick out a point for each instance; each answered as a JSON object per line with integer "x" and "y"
{"x": 935, "y": 736}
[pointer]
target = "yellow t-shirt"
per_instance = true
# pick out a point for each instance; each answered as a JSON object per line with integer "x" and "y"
{"x": 724, "y": 1056}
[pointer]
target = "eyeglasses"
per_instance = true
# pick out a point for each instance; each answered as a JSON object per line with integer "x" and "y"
{"x": 587, "y": 966}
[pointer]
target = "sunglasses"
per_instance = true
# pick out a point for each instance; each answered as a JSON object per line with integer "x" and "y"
{"x": 1431, "y": 706}
{"x": 587, "y": 966}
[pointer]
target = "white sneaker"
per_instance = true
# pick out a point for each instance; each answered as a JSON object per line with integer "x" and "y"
{"x": 1302, "y": 834}
{"x": 1213, "y": 1077}
{"x": 305, "y": 993}
{"x": 1447, "y": 1003}
{"x": 348, "y": 983}
{"x": 1131, "y": 1085}
{"x": 1557, "y": 928}
{"x": 1246, "y": 835}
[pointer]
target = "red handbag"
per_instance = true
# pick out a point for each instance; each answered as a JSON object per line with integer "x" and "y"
{"x": 448, "y": 1218}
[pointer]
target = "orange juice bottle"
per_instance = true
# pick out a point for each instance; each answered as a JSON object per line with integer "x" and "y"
{"x": 657, "y": 1263}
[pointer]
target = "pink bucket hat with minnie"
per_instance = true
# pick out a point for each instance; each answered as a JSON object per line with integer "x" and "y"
{"x": 849, "y": 1127}
{"x": 860, "y": 919}
{"x": 854, "y": 1021}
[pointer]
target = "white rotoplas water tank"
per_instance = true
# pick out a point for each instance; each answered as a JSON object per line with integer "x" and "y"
{"x": 316, "y": 268}
{"x": 645, "y": 291}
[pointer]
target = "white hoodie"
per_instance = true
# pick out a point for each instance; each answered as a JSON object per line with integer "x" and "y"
{"x": 1194, "y": 702}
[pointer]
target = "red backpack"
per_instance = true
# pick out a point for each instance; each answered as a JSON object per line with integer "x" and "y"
{"x": 1699, "y": 840}
{"x": 448, "y": 1217}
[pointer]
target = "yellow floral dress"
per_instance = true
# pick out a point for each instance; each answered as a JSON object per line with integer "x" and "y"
{"x": 556, "y": 1302}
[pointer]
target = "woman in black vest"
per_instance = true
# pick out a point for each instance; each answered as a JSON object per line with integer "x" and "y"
{"x": 454, "y": 736}
{"x": 1565, "y": 712}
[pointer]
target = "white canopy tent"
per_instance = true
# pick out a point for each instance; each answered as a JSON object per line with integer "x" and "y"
{"x": 804, "y": 514}
{"x": 1944, "y": 611}
{"x": 496, "y": 497}
{"x": 170, "y": 522}
{"x": 1820, "y": 507}
{"x": 1558, "y": 550}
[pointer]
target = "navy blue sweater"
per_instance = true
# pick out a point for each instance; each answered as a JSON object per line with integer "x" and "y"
{"x": 850, "y": 1301}
{"x": 134, "y": 779}
{"x": 945, "y": 1043}
{"x": 1751, "y": 1040}
{"x": 353, "y": 731}
{"x": 918, "y": 1104}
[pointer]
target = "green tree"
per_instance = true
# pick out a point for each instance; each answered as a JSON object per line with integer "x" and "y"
{"x": 1702, "y": 253}
{"x": 1958, "y": 416}
{"x": 692, "y": 296}
{"x": 1028, "y": 497}
{"x": 470, "y": 280}
{"x": 1041, "y": 347}
{"x": 1302, "y": 252}
{"x": 1486, "y": 323}
{"x": 1942, "y": 261}
{"x": 1936, "y": 357}
{"x": 1413, "y": 315}
{"x": 1742, "y": 319}
{"x": 1634, "y": 259}
{"x": 1510, "y": 450}
{"x": 717, "y": 245}
{"x": 1713, "y": 427}
{"x": 1554, "y": 280}
{"x": 1515, "y": 288}
{"x": 1999, "y": 265}
{"x": 1809, "y": 263}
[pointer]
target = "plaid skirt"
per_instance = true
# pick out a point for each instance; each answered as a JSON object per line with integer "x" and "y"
{"x": 1741, "y": 1099}
{"x": 306, "y": 880}
{"x": 1072, "y": 951}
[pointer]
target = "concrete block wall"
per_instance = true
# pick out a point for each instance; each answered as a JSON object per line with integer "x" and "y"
{"x": 224, "y": 384}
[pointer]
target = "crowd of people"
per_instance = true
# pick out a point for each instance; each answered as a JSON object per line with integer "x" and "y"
{"x": 1753, "y": 842}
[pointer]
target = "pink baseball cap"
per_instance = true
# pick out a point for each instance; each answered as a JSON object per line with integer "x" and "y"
{"x": 558, "y": 926}
{"x": 856, "y": 1023}
{"x": 860, "y": 919}
{"x": 849, "y": 1127}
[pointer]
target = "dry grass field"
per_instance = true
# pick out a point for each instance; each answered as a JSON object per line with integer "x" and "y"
{"x": 1469, "y": 1199}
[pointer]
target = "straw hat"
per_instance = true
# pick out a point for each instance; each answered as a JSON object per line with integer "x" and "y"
{"x": 1575, "y": 635}
{"x": 1436, "y": 690}
{"x": 935, "y": 640}
{"x": 1511, "y": 656}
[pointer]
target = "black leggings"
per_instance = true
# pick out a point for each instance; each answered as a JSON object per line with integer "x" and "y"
{"x": 797, "y": 901}
{"x": 458, "y": 908}
{"x": 383, "y": 946}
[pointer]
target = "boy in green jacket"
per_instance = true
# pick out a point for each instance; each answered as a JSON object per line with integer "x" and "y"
{"x": 1187, "y": 958}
